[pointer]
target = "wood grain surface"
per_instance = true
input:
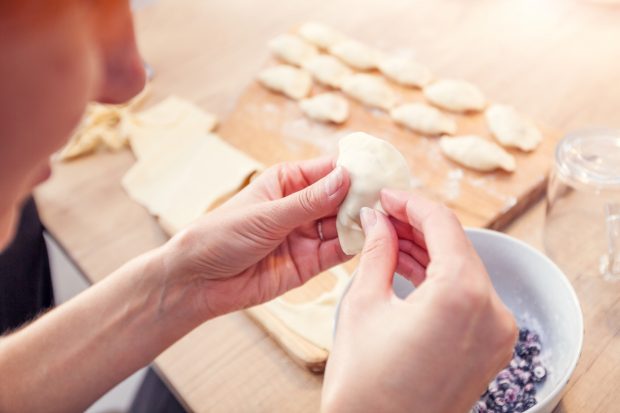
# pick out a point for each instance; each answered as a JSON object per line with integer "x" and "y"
{"x": 557, "y": 61}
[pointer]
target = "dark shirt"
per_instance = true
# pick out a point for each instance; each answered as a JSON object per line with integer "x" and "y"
{"x": 25, "y": 279}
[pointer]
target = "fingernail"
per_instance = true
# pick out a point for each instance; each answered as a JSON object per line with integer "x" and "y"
{"x": 334, "y": 181}
{"x": 368, "y": 217}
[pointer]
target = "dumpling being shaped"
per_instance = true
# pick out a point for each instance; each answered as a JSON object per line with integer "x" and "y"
{"x": 477, "y": 153}
{"x": 511, "y": 129}
{"x": 423, "y": 119}
{"x": 405, "y": 71}
{"x": 372, "y": 164}
{"x": 320, "y": 34}
{"x": 371, "y": 90}
{"x": 292, "y": 82}
{"x": 455, "y": 95}
{"x": 356, "y": 54}
{"x": 327, "y": 70}
{"x": 292, "y": 49}
{"x": 326, "y": 107}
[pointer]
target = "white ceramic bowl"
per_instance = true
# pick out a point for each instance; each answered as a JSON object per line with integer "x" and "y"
{"x": 540, "y": 296}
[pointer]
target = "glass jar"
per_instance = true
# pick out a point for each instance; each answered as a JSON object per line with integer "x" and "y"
{"x": 582, "y": 223}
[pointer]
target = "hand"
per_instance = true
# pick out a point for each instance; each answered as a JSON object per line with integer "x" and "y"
{"x": 435, "y": 351}
{"x": 262, "y": 242}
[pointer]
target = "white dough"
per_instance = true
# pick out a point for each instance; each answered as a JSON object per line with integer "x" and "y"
{"x": 372, "y": 164}
{"x": 168, "y": 123}
{"x": 512, "y": 129}
{"x": 455, "y": 95}
{"x": 320, "y": 35}
{"x": 328, "y": 70}
{"x": 405, "y": 71}
{"x": 326, "y": 107}
{"x": 179, "y": 180}
{"x": 371, "y": 90}
{"x": 424, "y": 119}
{"x": 294, "y": 83}
{"x": 356, "y": 54}
{"x": 477, "y": 153}
{"x": 292, "y": 49}
{"x": 313, "y": 320}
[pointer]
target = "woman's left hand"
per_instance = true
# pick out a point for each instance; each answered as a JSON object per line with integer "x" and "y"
{"x": 271, "y": 237}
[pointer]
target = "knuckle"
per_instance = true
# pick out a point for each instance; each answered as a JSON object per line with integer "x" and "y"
{"x": 308, "y": 201}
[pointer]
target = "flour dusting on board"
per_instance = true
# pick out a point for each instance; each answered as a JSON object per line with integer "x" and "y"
{"x": 452, "y": 184}
{"x": 302, "y": 130}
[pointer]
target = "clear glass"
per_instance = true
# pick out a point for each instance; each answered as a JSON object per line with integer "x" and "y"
{"x": 582, "y": 225}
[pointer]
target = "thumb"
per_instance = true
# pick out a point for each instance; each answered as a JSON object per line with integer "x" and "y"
{"x": 380, "y": 254}
{"x": 313, "y": 202}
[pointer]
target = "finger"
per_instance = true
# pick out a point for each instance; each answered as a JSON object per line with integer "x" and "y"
{"x": 331, "y": 254}
{"x": 379, "y": 255}
{"x": 311, "y": 203}
{"x": 443, "y": 233}
{"x": 409, "y": 268}
{"x": 295, "y": 175}
{"x": 419, "y": 254}
{"x": 327, "y": 228}
{"x": 405, "y": 231}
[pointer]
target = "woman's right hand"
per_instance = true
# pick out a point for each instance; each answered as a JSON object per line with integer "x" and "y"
{"x": 435, "y": 351}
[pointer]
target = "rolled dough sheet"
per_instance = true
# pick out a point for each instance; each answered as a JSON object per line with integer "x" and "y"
{"x": 313, "y": 320}
{"x": 151, "y": 128}
{"x": 179, "y": 182}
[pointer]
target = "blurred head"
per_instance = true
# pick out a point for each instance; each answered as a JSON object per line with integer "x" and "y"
{"x": 55, "y": 56}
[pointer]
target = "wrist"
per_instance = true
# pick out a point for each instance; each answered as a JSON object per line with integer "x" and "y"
{"x": 169, "y": 295}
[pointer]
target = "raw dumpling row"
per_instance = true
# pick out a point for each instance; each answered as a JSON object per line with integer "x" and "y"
{"x": 334, "y": 70}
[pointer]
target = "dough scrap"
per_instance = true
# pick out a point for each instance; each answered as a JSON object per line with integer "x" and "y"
{"x": 328, "y": 70}
{"x": 180, "y": 180}
{"x": 102, "y": 126}
{"x": 356, "y": 54}
{"x": 511, "y": 129}
{"x": 455, "y": 95}
{"x": 288, "y": 80}
{"x": 292, "y": 49}
{"x": 313, "y": 320}
{"x": 371, "y": 90}
{"x": 373, "y": 164}
{"x": 405, "y": 71}
{"x": 320, "y": 35}
{"x": 154, "y": 127}
{"x": 424, "y": 119}
{"x": 477, "y": 153}
{"x": 326, "y": 107}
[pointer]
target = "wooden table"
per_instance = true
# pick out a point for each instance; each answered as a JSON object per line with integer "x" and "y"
{"x": 557, "y": 60}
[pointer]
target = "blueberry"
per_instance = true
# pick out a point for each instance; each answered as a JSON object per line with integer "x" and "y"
{"x": 521, "y": 350}
{"x": 480, "y": 407}
{"x": 503, "y": 384}
{"x": 525, "y": 377}
{"x": 510, "y": 395}
{"x": 529, "y": 403}
{"x": 539, "y": 374}
{"x": 533, "y": 349}
{"x": 504, "y": 375}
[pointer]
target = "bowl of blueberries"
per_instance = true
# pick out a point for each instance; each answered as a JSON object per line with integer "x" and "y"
{"x": 550, "y": 323}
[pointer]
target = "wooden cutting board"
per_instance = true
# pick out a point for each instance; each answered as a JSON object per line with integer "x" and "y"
{"x": 271, "y": 128}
